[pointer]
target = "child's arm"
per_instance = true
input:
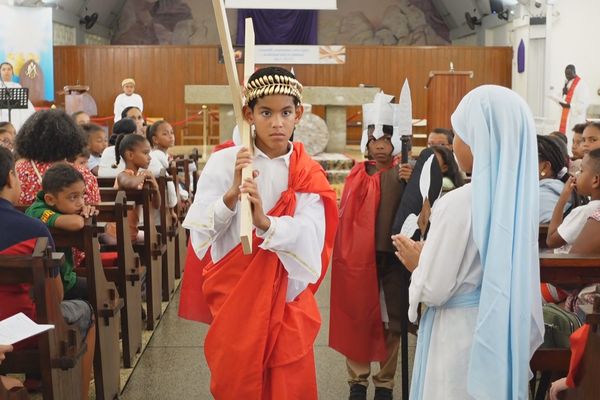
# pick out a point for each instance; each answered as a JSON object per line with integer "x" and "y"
{"x": 127, "y": 181}
{"x": 554, "y": 240}
{"x": 75, "y": 222}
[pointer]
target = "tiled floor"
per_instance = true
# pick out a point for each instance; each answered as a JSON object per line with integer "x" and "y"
{"x": 173, "y": 365}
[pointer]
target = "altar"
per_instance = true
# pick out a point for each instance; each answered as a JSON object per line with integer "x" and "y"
{"x": 335, "y": 100}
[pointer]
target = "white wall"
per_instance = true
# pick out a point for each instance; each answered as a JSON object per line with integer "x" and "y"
{"x": 567, "y": 41}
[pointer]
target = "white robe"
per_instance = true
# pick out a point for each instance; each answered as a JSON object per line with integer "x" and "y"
{"x": 123, "y": 101}
{"x": 107, "y": 160}
{"x": 18, "y": 116}
{"x": 449, "y": 265}
{"x": 298, "y": 240}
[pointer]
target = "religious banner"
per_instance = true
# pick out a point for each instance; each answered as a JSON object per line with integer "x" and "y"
{"x": 28, "y": 47}
{"x": 283, "y": 4}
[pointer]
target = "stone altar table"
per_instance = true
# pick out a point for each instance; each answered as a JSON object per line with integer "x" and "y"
{"x": 335, "y": 100}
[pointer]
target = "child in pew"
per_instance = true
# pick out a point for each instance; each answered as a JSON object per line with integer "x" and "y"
{"x": 161, "y": 137}
{"x": 551, "y": 163}
{"x": 135, "y": 151}
{"x": 587, "y": 183}
{"x": 7, "y": 135}
{"x": 576, "y": 149}
{"x": 590, "y": 138}
{"x": 81, "y": 118}
{"x": 60, "y": 204}
{"x": 452, "y": 176}
{"x": 81, "y": 160}
{"x": 18, "y": 235}
{"x": 97, "y": 140}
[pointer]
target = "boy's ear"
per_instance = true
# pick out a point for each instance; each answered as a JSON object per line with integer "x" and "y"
{"x": 596, "y": 181}
{"x": 299, "y": 112}
{"x": 248, "y": 115}
{"x": 50, "y": 199}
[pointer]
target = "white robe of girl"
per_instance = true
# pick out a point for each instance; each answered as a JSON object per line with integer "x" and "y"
{"x": 449, "y": 265}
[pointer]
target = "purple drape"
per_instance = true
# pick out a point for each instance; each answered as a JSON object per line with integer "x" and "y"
{"x": 279, "y": 26}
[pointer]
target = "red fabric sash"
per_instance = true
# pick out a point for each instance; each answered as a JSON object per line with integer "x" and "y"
{"x": 259, "y": 346}
{"x": 578, "y": 342}
{"x": 565, "y": 111}
{"x": 356, "y": 329}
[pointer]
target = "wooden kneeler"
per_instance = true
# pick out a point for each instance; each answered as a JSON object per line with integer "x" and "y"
{"x": 127, "y": 276}
{"x": 181, "y": 233}
{"x": 107, "y": 304}
{"x": 59, "y": 352}
{"x": 167, "y": 235}
{"x": 150, "y": 251}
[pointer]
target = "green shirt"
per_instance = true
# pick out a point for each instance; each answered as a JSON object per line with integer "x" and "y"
{"x": 42, "y": 211}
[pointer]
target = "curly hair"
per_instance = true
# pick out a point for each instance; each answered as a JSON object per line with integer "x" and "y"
{"x": 49, "y": 136}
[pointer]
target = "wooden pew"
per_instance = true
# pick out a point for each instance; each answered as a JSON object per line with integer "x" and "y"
{"x": 127, "y": 276}
{"x": 561, "y": 269}
{"x": 167, "y": 232}
{"x": 588, "y": 386}
{"x": 181, "y": 233}
{"x": 107, "y": 304}
{"x": 59, "y": 352}
{"x": 14, "y": 394}
{"x": 150, "y": 251}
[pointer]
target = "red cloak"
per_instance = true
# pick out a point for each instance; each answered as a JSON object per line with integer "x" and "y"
{"x": 258, "y": 346}
{"x": 356, "y": 328}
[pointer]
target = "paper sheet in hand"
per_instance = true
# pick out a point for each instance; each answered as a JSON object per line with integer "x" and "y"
{"x": 19, "y": 327}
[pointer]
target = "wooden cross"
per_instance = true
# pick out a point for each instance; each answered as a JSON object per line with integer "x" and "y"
{"x": 236, "y": 95}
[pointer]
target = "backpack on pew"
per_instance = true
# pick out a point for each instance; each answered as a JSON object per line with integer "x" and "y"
{"x": 559, "y": 324}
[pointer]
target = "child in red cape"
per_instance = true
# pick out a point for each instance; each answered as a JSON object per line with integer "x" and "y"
{"x": 264, "y": 315}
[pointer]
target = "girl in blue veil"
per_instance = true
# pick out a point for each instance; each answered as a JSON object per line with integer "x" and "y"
{"x": 478, "y": 272}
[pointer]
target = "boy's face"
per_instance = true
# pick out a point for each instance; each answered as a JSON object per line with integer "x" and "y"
{"x": 138, "y": 118}
{"x": 590, "y": 139}
{"x": 7, "y": 140}
{"x": 82, "y": 119}
{"x": 274, "y": 118}
{"x": 97, "y": 142}
{"x": 576, "y": 146}
{"x": 587, "y": 179}
{"x": 164, "y": 136}
{"x": 128, "y": 89}
{"x": 69, "y": 200}
{"x": 380, "y": 149}
{"x": 140, "y": 155}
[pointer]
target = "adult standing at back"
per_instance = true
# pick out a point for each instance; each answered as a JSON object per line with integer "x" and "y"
{"x": 17, "y": 116}
{"x": 127, "y": 99}
{"x": 574, "y": 101}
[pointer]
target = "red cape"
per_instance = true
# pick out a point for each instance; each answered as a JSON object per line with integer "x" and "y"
{"x": 356, "y": 328}
{"x": 259, "y": 346}
{"x": 578, "y": 343}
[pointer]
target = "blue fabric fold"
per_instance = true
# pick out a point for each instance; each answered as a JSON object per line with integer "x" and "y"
{"x": 417, "y": 383}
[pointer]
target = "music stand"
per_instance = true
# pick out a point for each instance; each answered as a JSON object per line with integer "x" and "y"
{"x": 14, "y": 99}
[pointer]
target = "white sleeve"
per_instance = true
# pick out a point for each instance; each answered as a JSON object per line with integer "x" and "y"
{"x": 117, "y": 109}
{"x": 573, "y": 224}
{"x": 435, "y": 277}
{"x": 141, "y": 103}
{"x": 208, "y": 216}
{"x": 298, "y": 240}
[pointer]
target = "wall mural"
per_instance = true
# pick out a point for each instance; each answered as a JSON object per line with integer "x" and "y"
{"x": 190, "y": 22}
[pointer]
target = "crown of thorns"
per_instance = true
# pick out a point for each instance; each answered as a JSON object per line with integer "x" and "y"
{"x": 273, "y": 84}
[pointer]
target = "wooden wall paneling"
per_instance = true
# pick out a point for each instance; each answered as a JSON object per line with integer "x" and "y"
{"x": 161, "y": 72}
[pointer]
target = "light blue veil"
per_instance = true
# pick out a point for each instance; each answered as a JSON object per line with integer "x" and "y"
{"x": 498, "y": 127}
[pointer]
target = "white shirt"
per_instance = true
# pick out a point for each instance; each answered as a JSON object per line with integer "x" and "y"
{"x": 93, "y": 162}
{"x": 123, "y": 101}
{"x": 108, "y": 159}
{"x": 298, "y": 240}
{"x": 573, "y": 224}
{"x": 17, "y": 116}
{"x": 162, "y": 161}
{"x": 449, "y": 264}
